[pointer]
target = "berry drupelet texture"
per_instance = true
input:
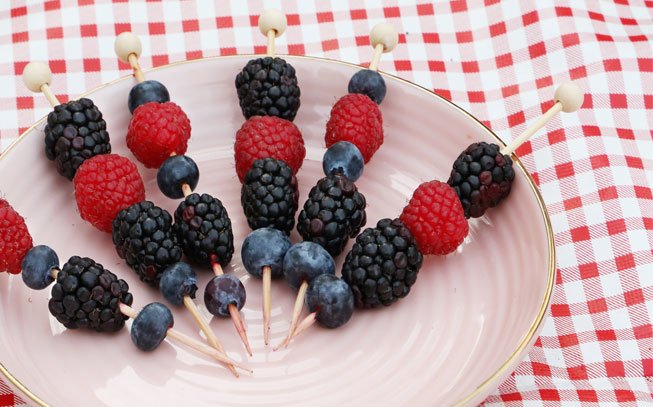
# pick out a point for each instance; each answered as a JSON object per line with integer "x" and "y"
{"x": 435, "y": 217}
{"x": 268, "y": 136}
{"x": 482, "y": 177}
{"x": 15, "y": 239}
{"x": 156, "y": 131}
{"x": 269, "y": 195}
{"x": 105, "y": 185}
{"x": 382, "y": 265}
{"x": 357, "y": 119}
{"x": 86, "y": 295}
{"x": 333, "y": 212}
{"x": 268, "y": 87}
{"x": 75, "y": 131}
{"x": 142, "y": 234}
{"x": 203, "y": 229}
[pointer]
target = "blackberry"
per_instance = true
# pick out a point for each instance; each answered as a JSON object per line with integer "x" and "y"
{"x": 268, "y": 87}
{"x": 333, "y": 212}
{"x": 143, "y": 237}
{"x": 481, "y": 176}
{"x": 75, "y": 131}
{"x": 203, "y": 229}
{"x": 382, "y": 265}
{"x": 269, "y": 195}
{"x": 86, "y": 295}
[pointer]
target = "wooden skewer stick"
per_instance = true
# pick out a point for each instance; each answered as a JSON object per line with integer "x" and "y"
{"x": 267, "y": 303}
{"x": 37, "y": 76}
{"x": 569, "y": 98}
{"x": 190, "y": 342}
{"x": 272, "y": 23}
{"x": 210, "y": 335}
{"x": 384, "y": 38}
{"x": 128, "y": 48}
{"x": 297, "y": 310}
{"x": 220, "y": 356}
{"x": 305, "y": 324}
{"x": 233, "y": 311}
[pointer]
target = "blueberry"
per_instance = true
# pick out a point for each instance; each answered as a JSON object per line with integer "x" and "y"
{"x": 175, "y": 172}
{"x": 368, "y": 83}
{"x": 151, "y": 325}
{"x": 332, "y": 299}
{"x": 222, "y": 291}
{"x": 147, "y": 91}
{"x": 343, "y": 158}
{"x": 265, "y": 247}
{"x": 37, "y": 265}
{"x": 178, "y": 280}
{"x": 305, "y": 261}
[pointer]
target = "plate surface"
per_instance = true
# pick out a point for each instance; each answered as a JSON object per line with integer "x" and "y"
{"x": 469, "y": 319}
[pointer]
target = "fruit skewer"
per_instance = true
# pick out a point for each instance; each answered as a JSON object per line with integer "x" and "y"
{"x": 262, "y": 254}
{"x": 179, "y": 285}
{"x": 178, "y": 175}
{"x": 435, "y": 220}
{"x": 335, "y": 210}
{"x": 302, "y": 264}
{"x": 384, "y": 262}
{"x": 37, "y": 77}
{"x": 85, "y": 295}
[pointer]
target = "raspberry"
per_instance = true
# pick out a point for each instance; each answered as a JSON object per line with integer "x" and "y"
{"x": 105, "y": 185}
{"x": 436, "y": 218}
{"x": 268, "y": 136}
{"x": 15, "y": 239}
{"x": 156, "y": 131}
{"x": 357, "y": 119}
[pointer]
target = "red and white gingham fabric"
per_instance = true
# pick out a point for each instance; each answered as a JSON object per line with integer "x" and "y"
{"x": 499, "y": 60}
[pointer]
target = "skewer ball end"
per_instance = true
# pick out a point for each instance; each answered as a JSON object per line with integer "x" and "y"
{"x": 35, "y": 75}
{"x": 570, "y": 96}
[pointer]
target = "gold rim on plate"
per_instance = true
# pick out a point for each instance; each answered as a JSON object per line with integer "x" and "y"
{"x": 528, "y": 335}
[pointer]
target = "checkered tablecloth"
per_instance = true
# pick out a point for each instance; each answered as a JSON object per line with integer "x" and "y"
{"x": 499, "y": 60}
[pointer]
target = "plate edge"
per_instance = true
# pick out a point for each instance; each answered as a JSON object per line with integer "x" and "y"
{"x": 526, "y": 337}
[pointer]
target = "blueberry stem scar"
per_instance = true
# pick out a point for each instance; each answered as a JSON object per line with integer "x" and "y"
{"x": 233, "y": 310}
{"x": 267, "y": 303}
{"x": 297, "y": 310}
{"x": 204, "y": 326}
{"x": 190, "y": 342}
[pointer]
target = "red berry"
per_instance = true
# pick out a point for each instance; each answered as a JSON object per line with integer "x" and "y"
{"x": 268, "y": 136}
{"x": 105, "y": 185}
{"x": 436, "y": 218}
{"x": 15, "y": 239}
{"x": 357, "y": 119}
{"x": 156, "y": 131}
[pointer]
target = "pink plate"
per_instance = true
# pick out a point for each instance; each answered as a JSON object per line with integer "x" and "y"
{"x": 469, "y": 319}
